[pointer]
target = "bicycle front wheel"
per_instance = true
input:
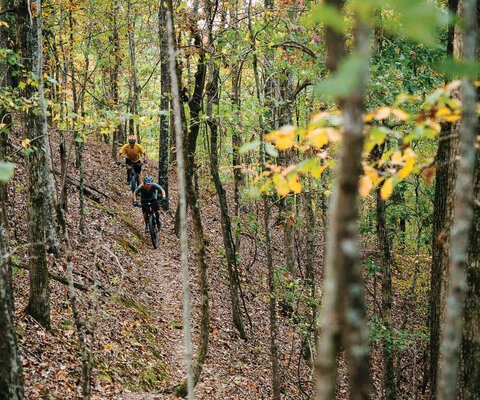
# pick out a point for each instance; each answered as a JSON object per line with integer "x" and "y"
{"x": 133, "y": 182}
{"x": 153, "y": 231}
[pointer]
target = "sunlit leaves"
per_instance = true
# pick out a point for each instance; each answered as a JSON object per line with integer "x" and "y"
{"x": 345, "y": 80}
{"x": 387, "y": 189}
{"x": 284, "y": 138}
{"x": 391, "y": 125}
{"x": 325, "y": 14}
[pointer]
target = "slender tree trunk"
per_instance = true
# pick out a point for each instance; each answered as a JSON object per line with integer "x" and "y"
{"x": 276, "y": 382}
{"x": 134, "y": 85}
{"x": 463, "y": 214}
{"x": 11, "y": 378}
{"x": 228, "y": 241}
{"x": 386, "y": 261}
{"x": 192, "y": 201}
{"x": 6, "y": 80}
{"x": 181, "y": 172}
{"x": 119, "y": 136}
{"x": 163, "y": 145}
{"x": 342, "y": 317}
{"x": 442, "y": 211}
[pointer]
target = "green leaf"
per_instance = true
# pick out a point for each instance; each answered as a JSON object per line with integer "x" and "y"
{"x": 270, "y": 150}
{"x": 325, "y": 14}
{"x": 249, "y": 146}
{"x": 6, "y": 171}
{"x": 456, "y": 68}
{"x": 344, "y": 81}
{"x": 416, "y": 20}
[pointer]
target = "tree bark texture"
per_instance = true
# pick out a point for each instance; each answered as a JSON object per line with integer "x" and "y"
{"x": 39, "y": 299}
{"x": 342, "y": 316}
{"x": 188, "y": 385}
{"x": 228, "y": 241}
{"x": 11, "y": 378}
{"x": 164, "y": 143}
{"x": 463, "y": 214}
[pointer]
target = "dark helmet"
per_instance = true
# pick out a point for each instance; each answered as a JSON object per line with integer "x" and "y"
{"x": 148, "y": 180}
{"x": 131, "y": 139}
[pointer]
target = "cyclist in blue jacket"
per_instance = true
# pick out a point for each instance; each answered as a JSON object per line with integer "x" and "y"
{"x": 148, "y": 192}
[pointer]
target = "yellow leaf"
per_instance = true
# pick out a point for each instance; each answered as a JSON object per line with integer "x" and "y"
{"x": 373, "y": 175}
{"x": 333, "y": 134}
{"x": 410, "y": 157}
{"x": 387, "y": 189}
{"x": 400, "y": 114}
{"x": 281, "y": 184}
{"x": 453, "y": 117}
{"x": 284, "y": 138}
{"x": 318, "y": 138}
{"x": 317, "y": 171}
{"x": 365, "y": 186}
{"x": 382, "y": 113}
{"x": 367, "y": 117}
{"x": 397, "y": 157}
{"x": 294, "y": 183}
{"x": 25, "y": 143}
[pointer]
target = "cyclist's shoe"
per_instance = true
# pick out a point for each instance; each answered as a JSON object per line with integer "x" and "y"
{"x": 146, "y": 228}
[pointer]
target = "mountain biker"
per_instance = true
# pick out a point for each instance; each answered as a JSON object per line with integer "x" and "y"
{"x": 133, "y": 153}
{"x": 148, "y": 195}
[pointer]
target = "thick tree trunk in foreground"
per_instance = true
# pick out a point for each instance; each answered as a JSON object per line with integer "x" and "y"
{"x": 38, "y": 198}
{"x": 342, "y": 316}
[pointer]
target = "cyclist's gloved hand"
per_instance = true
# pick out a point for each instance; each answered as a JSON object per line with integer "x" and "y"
{"x": 164, "y": 200}
{"x": 135, "y": 203}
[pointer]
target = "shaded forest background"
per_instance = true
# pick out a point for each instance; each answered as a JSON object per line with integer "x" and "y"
{"x": 322, "y": 169}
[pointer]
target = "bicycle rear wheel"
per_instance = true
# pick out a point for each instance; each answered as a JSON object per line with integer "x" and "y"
{"x": 153, "y": 231}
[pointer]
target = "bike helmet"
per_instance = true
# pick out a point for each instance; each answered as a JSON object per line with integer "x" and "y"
{"x": 131, "y": 139}
{"x": 148, "y": 180}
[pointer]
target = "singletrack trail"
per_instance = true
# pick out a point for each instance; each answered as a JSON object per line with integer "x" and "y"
{"x": 159, "y": 288}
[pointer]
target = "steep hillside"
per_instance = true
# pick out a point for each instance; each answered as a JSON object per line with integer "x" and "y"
{"x": 135, "y": 314}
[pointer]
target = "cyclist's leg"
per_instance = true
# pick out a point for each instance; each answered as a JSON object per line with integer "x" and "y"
{"x": 145, "y": 216}
{"x": 138, "y": 170}
{"x": 157, "y": 214}
{"x": 129, "y": 169}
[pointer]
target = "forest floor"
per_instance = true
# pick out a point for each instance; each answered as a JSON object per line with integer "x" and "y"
{"x": 135, "y": 314}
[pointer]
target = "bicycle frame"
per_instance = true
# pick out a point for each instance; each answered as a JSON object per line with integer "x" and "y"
{"x": 151, "y": 224}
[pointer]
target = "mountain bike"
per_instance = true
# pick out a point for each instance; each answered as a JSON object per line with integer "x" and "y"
{"x": 132, "y": 176}
{"x": 152, "y": 223}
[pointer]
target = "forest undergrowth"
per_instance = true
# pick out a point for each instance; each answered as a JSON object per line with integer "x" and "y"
{"x": 135, "y": 311}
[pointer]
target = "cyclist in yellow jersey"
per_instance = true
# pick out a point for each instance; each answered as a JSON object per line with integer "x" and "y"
{"x": 133, "y": 153}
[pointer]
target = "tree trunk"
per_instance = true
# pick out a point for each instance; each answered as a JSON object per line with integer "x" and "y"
{"x": 11, "y": 378}
{"x": 386, "y": 261}
{"x": 188, "y": 386}
{"x": 38, "y": 197}
{"x": 442, "y": 212}
{"x": 192, "y": 201}
{"x": 163, "y": 144}
{"x": 470, "y": 351}
{"x": 463, "y": 214}
{"x": 342, "y": 318}
{"x": 119, "y": 136}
